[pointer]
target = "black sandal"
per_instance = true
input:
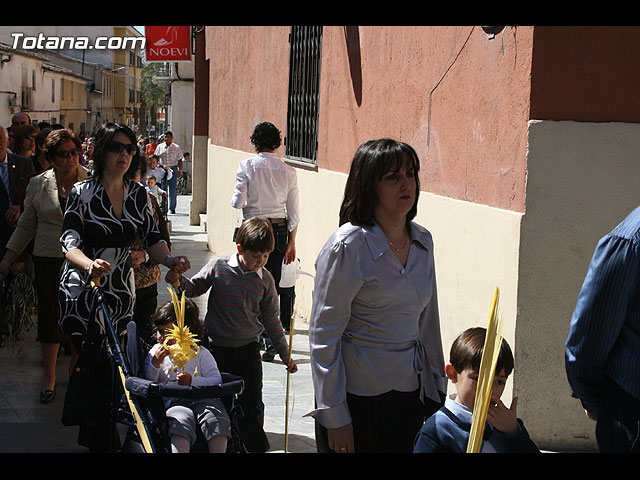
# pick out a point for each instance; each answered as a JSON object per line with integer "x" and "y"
{"x": 47, "y": 396}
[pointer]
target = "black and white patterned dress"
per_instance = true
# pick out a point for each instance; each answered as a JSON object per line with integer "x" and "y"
{"x": 91, "y": 225}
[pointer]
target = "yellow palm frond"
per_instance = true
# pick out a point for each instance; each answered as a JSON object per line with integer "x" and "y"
{"x": 490, "y": 352}
{"x": 181, "y": 343}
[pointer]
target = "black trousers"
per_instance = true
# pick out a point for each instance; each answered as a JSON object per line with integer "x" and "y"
{"x": 274, "y": 265}
{"x": 245, "y": 362}
{"x": 47, "y": 281}
{"x": 386, "y": 423}
{"x": 97, "y": 432}
{"x": 618, "y": 425}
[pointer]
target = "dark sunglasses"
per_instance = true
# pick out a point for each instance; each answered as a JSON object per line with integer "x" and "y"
{"x": 67, "y": 153}
{"x": 118, "y": 147}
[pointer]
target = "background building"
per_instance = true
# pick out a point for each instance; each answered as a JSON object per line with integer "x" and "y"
{"x": 528, "y": 139}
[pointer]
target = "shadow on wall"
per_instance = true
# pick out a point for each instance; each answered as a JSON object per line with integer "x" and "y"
{"x": 352, "y": 39}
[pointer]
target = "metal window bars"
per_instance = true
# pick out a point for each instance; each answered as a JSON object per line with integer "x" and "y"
{"x": 301, "y": 141}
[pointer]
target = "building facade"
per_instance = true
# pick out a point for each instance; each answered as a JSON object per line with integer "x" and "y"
{"x": 528, "y": 141}
{"x": 59, "y": 79}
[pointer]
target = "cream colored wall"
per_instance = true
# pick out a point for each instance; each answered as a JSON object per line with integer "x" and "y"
{"x": 582, "y": 181}
{"x": 476, "y": 250}
{"x": 476, "y": 247}
{"x": 199, "y": 162}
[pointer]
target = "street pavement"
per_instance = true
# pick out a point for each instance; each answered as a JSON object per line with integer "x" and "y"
{"x": 27, "y": 426}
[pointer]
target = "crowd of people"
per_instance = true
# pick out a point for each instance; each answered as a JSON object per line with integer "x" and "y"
{"x": 377, "y": 359}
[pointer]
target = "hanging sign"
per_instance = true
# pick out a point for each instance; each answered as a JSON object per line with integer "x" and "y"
{"x": 167, "y": 44}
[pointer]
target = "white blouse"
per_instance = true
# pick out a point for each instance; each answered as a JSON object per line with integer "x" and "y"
{"x": 208, "y": 372}
{"x": 374, "y": 324}
{"x": 267, "y": 187}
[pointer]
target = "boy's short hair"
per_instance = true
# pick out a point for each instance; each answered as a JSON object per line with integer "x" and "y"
{"x": 152, "y": 177}
{"x": 256, "y": 234}
{"x": 466, "y": 352}
{"x": 166, "y": 314}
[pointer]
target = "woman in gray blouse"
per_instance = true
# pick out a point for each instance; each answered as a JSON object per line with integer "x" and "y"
{"x": 374, "y": 334}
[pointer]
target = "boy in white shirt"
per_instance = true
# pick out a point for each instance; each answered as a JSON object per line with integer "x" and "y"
{"x": 159, "y": 171}
{"x": 447, "y": 431}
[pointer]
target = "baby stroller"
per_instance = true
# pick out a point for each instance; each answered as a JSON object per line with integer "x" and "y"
{"x": 140, "y": 407}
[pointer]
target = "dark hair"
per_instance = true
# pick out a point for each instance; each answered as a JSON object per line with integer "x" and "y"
{"x": 466, "y": 352}
{"x": 142, "y": 166}
{"x": 104, "y": 137}
{"x": 40, "y": 138}
{"x": 22, "y": 131}
{"x": 166, "y": 314}
{"x": 256, "y": 234}
{"x": 373, "y": 160}
{"x": 266, "y": 136}
{"x": 55, "y": 138}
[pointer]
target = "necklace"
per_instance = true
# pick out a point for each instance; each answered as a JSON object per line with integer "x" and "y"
{"x": 398, "y": 250}
{"x": 64, "y": 187}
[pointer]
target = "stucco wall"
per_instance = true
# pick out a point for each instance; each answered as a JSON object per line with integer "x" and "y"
{"x": 582, "y": 181}
{"x": 470, "y": 132}
{"x": 378, "y": 84}
{"x": 249, "y": 81}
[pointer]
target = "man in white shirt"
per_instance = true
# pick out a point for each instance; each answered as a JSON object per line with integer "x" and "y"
{"x": 170, "y": 154}
{"x": 268, "y": 187}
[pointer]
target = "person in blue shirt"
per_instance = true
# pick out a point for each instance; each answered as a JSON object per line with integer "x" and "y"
{"x": 602, "y": 354}
{"x": 448, "y": 430}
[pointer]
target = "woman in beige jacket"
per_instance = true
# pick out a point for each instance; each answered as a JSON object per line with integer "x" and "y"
{"x": 41, "y": 221}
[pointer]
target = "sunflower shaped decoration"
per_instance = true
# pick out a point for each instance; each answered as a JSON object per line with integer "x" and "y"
{"x": 181, "y": 343}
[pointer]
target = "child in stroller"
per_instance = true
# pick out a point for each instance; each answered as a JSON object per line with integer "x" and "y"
{"x": 186, "y": 415}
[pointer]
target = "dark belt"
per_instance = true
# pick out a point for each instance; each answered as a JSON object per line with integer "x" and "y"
{"x": 279, "y": 222}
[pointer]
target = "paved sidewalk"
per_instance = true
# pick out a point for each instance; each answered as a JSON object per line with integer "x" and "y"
{"x": 27, "y": 426}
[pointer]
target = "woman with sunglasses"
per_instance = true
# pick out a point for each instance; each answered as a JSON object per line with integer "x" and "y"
{"x": 24, "y": 140}
{"x": 41, "y": 221}
{"x": 103, "y": 216}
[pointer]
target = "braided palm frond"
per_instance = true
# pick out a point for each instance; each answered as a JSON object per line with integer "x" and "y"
{"x": 181, "y": 343}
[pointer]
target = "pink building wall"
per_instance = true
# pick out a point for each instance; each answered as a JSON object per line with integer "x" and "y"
{"x": 378, "y": 84}
{"x": 461, "y": 98}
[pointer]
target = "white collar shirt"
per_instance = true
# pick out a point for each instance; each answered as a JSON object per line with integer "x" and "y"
{"x": 169, "y": 155}
{"x": 233, "y": 263}
{"x": 267, "y": 187}
{"x": 466, "y": 416}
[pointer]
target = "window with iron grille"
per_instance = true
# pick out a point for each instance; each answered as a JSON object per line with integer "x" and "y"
{"x": 301, "y": 142}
